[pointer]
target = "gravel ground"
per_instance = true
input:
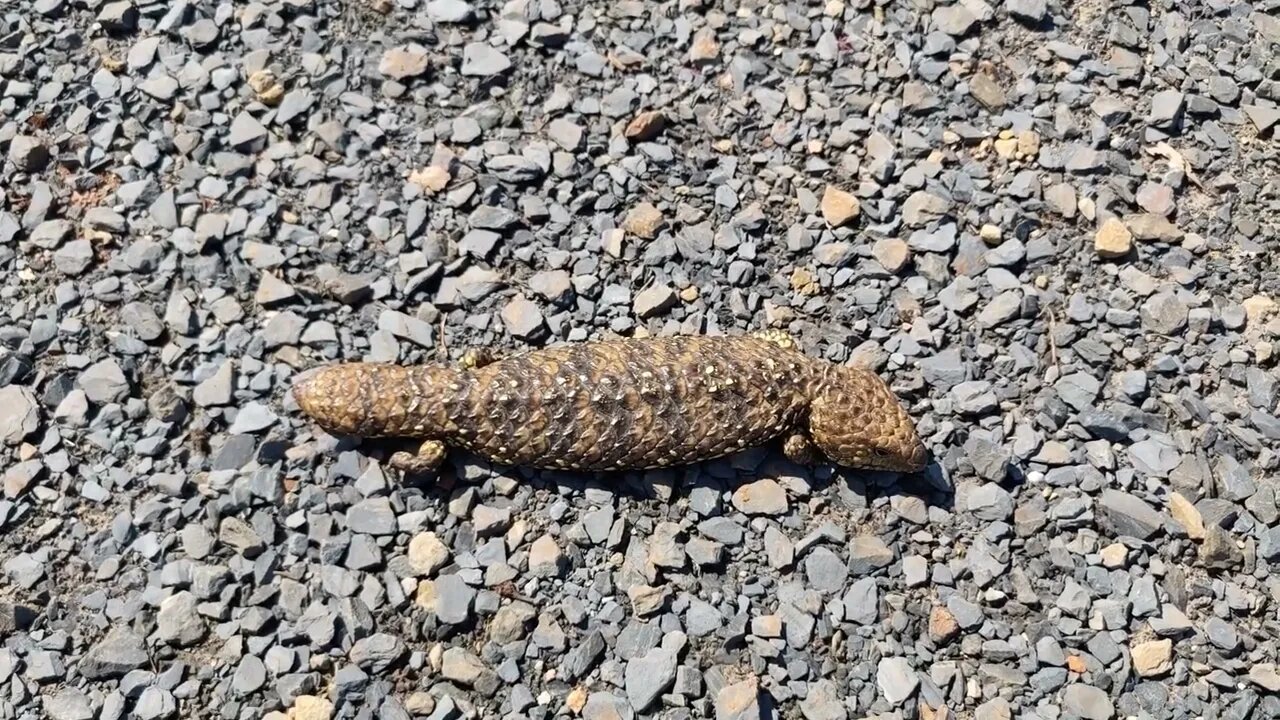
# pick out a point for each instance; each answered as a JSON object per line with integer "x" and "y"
{"x": 1050, "y": 224}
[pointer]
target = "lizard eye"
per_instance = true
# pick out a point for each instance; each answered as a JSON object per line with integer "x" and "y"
{"x": 880, "y": 452}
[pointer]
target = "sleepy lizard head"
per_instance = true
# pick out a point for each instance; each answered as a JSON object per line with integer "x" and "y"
{"x": 857, "y": 421}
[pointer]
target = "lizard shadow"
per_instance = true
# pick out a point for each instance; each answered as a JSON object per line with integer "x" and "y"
{"x": 852, "y": 488}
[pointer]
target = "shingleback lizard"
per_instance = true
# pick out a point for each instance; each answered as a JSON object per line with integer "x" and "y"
{"x": 629, "y": 404}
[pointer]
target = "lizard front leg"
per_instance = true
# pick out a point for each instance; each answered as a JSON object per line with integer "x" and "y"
{"x": 781, "y": 338}
{"x": 799, "y": 449}
{"x": 423, "y": 459}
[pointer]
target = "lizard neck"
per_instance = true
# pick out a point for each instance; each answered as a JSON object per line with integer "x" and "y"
{"x": 422, "y": 401}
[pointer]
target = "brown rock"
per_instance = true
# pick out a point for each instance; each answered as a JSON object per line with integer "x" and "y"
{"x": 646, "y": 126}
{"x": 704, "y": 47}
{"x": 943, "y": 627}
{"x": 1076, "y": 664}
{"x": 644, "y": 220}
{"x": 1113, "y": 239}
{"x": 1152, "y": 659}
{"x": 839, "y": 207}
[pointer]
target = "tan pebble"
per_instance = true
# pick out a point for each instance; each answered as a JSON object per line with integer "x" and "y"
{"x": 576, "y": 700}
{"x": 1258, "y": 308}
{"x": 839, "y": 207}
{"x": 1186, "y": 514}
{"x": 689, "y": 294}
{"x": 990, "y": 234}
{"x": 433, "y": 179}
{"x": 426, "y": 597}
{"x": 1114, "y": 556}
{"x": 265, "y": 88}
{"x": 611, "y": 242}
{"x": 833, "y": 8}
{"x": 942, "y": 624}
{"x": 762, "y": 497}
{"x": 1153, "y": 658}
{"x": 435, "y": 656}
{"x": 310, "y": 707}
{"x": 1076, "y": 664}
{"x": 647, "y": 600}
{"x": 767, "y": 626}
{"x": 643, "y": 221}
{"x": 427, "y": 553}
{"x": 1006, "y": 147}
{"x": 545, "y": 557}
{"x": 1263, "y": 351}
{"x": 401, "y": 63}
{"x": 803, "y": 282}
{"x": 704, "y": 47}
{"x": 420, "y": 703}
{"x": 1087, "y": 207}
{"x": 1149, "y": 226}
{"x": 645, "y": 126}
{"x": 892, "y": 253}
{"x": 1029, "y": 143}
{"x": 1113, "y": 239}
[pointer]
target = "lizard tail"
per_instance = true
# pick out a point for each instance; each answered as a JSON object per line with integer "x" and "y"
{"x": 375, "y": 400}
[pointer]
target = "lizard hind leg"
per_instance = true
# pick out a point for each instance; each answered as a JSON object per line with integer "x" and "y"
{"x": 478, "y": 357}
{"x": 423, "y": 459}
{"x": 781, "y": 338}
{"x": 800, "y": 450}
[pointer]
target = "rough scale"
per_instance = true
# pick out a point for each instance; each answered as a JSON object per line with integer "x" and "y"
{"x": 626, "y": 404}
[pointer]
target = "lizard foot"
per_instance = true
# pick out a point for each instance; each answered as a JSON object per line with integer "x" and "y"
{"x": 781, "y": 338}
{"x": 800, "y": 449}
{"x": 424, "y": 459}
{"x": 478, "y": 357}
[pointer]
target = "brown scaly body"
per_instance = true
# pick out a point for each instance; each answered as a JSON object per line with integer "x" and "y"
{"x": 627, "y": 404}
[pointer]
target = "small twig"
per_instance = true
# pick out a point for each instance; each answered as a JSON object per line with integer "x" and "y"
{"x": 1053, "y": 344}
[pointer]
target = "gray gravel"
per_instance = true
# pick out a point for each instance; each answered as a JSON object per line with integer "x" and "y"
{"x": 1051, "y": 225}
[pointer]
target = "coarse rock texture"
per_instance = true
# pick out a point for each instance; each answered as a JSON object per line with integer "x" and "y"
{"x": 1050, "y": 225}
